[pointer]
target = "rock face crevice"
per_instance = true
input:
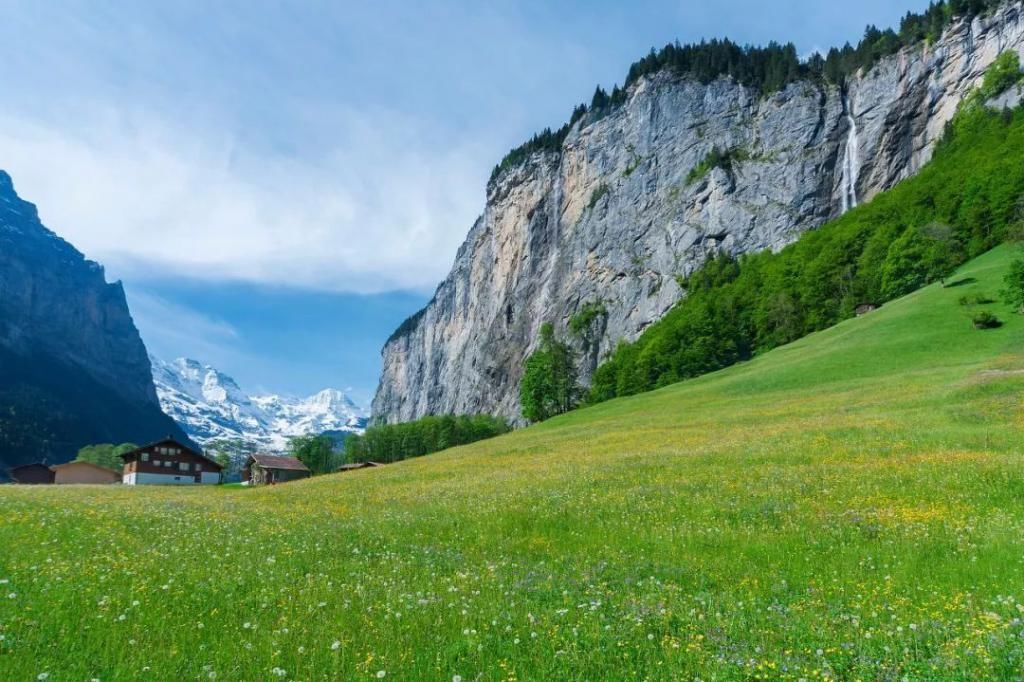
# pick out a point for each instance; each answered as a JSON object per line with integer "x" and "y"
{"x": 616, "y": 217}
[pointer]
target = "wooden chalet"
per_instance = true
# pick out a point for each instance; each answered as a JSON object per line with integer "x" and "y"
{"x": 271, "y": 469}
{"x": 168, "y": 462}
{"x": 84, "y": 473}
{"x": 31, "y": 474}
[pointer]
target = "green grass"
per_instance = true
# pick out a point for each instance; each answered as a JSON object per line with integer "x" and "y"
{"x": 850, "y": 506}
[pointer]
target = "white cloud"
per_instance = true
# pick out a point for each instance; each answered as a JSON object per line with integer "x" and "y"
{"x": 172, "y": 329}
{"x": 376, "y": 209}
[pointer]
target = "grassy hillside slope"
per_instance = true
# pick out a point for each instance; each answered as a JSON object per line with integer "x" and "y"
{"x": 847, "y": 506}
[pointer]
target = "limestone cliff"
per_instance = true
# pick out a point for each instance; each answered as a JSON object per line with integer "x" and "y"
{"x": 619, "y": 214}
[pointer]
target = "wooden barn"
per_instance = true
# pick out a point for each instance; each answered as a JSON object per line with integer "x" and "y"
{"x": 352, "y": 466}
{"x": 168, "y": 462}
{"x": 84, "y": 473}
{"x": 271, "y": 469}
{"x": 31, "y": 474}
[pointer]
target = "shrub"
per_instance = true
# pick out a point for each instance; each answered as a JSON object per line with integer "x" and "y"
{"x": 986, "y": 320}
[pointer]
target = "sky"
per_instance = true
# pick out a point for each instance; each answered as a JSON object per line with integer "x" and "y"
{"x": 280, "y": 184}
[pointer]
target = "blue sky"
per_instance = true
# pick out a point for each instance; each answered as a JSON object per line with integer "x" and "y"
{"x": 280, "y": 184}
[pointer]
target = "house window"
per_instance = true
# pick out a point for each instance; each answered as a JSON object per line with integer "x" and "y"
{"x": 145, "y": 456}
{"x": 183, "y": 466}
{"x": 168, "y": 463}
{"x": 199, "y": 467}
{"x": 156, "y": 462}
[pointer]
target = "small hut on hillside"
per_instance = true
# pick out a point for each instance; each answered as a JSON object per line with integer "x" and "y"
{"x": 271, "y": 469}
{"x": 352, "y": 466}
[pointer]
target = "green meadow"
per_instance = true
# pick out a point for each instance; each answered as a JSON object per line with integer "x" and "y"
{"x": 849, "y": 506}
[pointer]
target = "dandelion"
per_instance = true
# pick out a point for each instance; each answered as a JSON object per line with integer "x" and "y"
{"x": 456, "y": 678}
{"x": 42, "y": 676}
{"x": 280, "y": 672}
{"x": 381, "y": 674}
{"x": 335, "y": 645}
{"x": 247, "y": 625}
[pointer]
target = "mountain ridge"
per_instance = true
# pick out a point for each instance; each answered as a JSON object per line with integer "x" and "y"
{"x": 211, "y": 407}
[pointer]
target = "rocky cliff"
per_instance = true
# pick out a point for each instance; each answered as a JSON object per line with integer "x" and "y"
{"x": 610, "y": 222}
{"x": 73, "y": 369}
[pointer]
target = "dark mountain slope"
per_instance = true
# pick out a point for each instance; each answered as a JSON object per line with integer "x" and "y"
{"x": 73, "y": 369}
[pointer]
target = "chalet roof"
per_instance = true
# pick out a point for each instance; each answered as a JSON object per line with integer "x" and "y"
{"x": 30, "y": 465}
{"x": 357, "y": 465}
{"x": 174, "y": 443}
{"x": 277, "y": 462}
{"x": 79, "y": 463}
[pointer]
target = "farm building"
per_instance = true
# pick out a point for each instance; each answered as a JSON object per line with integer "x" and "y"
{"x": 168, "y": 462}
{"x": 84, "y": 472}
{"x": 271, "y": 469}
{"x": 352, "y": 466}
{"x": 35, "y": 473}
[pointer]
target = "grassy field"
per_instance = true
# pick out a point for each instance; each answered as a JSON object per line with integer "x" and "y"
{"x": 850, "y": 506}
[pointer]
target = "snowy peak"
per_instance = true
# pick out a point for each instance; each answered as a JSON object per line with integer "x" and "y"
{"x": 211, "y": 406}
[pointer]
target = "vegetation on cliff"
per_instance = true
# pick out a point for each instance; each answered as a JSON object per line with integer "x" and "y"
{"x": 959, "y": 206}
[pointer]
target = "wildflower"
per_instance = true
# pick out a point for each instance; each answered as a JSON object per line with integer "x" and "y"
{"x": 913, "y": 626}
{"x": 12, "y": 595}
{"x": 335, "y": 645}
{"x": 247, "y": 625}
{"x": 456, "y": 678}
{"x": 381, "y": 674}
{"x": 280, "y": 672}
{"x": 42, "y": 676}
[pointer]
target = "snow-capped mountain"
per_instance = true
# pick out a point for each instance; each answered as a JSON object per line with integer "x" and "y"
{"x": 211, "y": 406}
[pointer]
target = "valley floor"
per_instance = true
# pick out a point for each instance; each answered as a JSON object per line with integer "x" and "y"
{"x": 848, "y": 506}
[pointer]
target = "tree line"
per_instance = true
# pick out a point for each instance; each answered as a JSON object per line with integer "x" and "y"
{"x": 766, "y": 69}
{"x": 394, "y": 442}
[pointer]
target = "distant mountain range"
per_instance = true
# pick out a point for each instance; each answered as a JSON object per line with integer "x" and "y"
{"x": 212, "y": 408}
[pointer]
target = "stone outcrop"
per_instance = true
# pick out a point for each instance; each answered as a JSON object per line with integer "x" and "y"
{"x": 618, "y": 215}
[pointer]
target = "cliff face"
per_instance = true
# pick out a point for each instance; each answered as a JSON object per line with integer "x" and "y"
{"x": 618, "y": 215}
{"x": 73, "y": 369}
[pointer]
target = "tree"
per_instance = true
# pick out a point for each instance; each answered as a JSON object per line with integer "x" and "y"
{"x": 549, "y": 386}
{"x": 105, "y": 455}
{"x": 944, "y": 252}
{"x": 1014, "y": 281}
{"x": 905, "y": 268}
{"x": 316, "y": 452}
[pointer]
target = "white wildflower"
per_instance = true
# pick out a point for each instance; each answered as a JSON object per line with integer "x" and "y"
{"x": 335, "y": 645}
{"x": 381, "y": 674}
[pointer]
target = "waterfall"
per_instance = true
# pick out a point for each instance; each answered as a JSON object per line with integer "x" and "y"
{"x": 851, "y": 165}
